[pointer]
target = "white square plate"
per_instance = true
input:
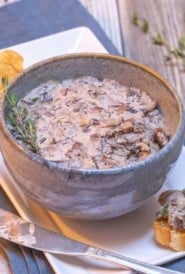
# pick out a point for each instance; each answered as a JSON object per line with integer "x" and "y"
{"x": 75, "y": 40}
{"x": 130, "y": 235}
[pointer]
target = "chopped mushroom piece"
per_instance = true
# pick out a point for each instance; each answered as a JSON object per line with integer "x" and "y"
{"x": 160, "y": 137}
{"x": 84, "y": 122}
{"x": 121, "y": 108}
{"x": 143, "y": 147}
{"x": 126, "y": 127}
{"x": 112, "y": 122}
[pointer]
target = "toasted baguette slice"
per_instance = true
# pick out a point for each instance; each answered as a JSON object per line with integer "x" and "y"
{"x": 166, "y": 236}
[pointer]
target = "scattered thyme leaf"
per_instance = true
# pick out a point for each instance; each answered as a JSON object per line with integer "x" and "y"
{"x": 12, "y": 100}
{"x": 135, "y": 19}
{"x": 159, "y": 39}
{"x": 181, "y": 43}
{"x": 177, "y": 53}
{"x": 145, "y": 26}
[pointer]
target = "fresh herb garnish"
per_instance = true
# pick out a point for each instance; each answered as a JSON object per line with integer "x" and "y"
{"x": 17, "y": 117}
{"x": 177, "y": 54}
{"x": 164, "y": 210}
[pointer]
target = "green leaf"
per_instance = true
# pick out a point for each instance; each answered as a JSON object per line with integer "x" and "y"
{"x": 30, "y": 127}
{"x": 159, "y": 39}
{"x": 177, "y": 53}
{"x": 29, "y": 122}
{"x": 4, "y": 81}
{"x": 23, "y": 113}
{"x": 12, "y": 120}
{"x": 13, "y": 100}
{"x": 145, "y": 26}
{"x": 35, "y": 148}
{"x": 181, "y": 43}
{"x": 135, "y": 19}
{"x": 164, "y": 210}
{"x": 21, "y": 131}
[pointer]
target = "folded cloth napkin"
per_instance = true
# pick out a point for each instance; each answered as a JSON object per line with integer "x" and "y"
{"x": 20, "y": 22}
{"x": 30, "y": 19}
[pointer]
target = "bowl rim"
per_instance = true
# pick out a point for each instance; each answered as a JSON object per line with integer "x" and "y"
{"x": 110, "y": 171}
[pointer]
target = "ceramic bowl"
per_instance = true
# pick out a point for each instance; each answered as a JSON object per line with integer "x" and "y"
{"x": 93, "y": 194}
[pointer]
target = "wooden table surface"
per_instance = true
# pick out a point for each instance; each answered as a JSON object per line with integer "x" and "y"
{"x": 166, "y": 17}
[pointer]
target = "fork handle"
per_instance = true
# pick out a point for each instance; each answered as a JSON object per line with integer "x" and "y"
{"x": 128, "y": 262}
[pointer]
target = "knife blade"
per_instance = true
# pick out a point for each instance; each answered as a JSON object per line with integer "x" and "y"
{"x": 17, "y": 230}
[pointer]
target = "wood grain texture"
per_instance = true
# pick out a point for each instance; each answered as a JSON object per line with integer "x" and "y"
{"x": 106, "y": 13}
{"x": 164, "y": 16}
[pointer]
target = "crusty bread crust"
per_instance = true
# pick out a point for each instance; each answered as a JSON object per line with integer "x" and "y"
{"x": 177, "y": 240}
{"x": 162, "y": 232}
{"x": 167, "y": 236}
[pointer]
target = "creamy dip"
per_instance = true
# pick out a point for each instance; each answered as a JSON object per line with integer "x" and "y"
{"x": 90, "y": 123}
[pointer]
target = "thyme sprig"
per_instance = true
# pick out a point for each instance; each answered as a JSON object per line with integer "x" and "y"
{"x": 173, "y": 56}
{"x": 18, "y": 119}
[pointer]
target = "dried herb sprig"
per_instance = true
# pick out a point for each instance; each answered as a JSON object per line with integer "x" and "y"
{"x": 143, "y": 24}
{"x": 17, "y": 117}
{"x": 158, "y": 39}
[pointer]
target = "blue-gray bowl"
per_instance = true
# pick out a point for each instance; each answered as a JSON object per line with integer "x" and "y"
{"x": 93, "y": 194}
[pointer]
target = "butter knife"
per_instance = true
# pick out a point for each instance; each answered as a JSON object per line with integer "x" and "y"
{"x": 17, "y": 230}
